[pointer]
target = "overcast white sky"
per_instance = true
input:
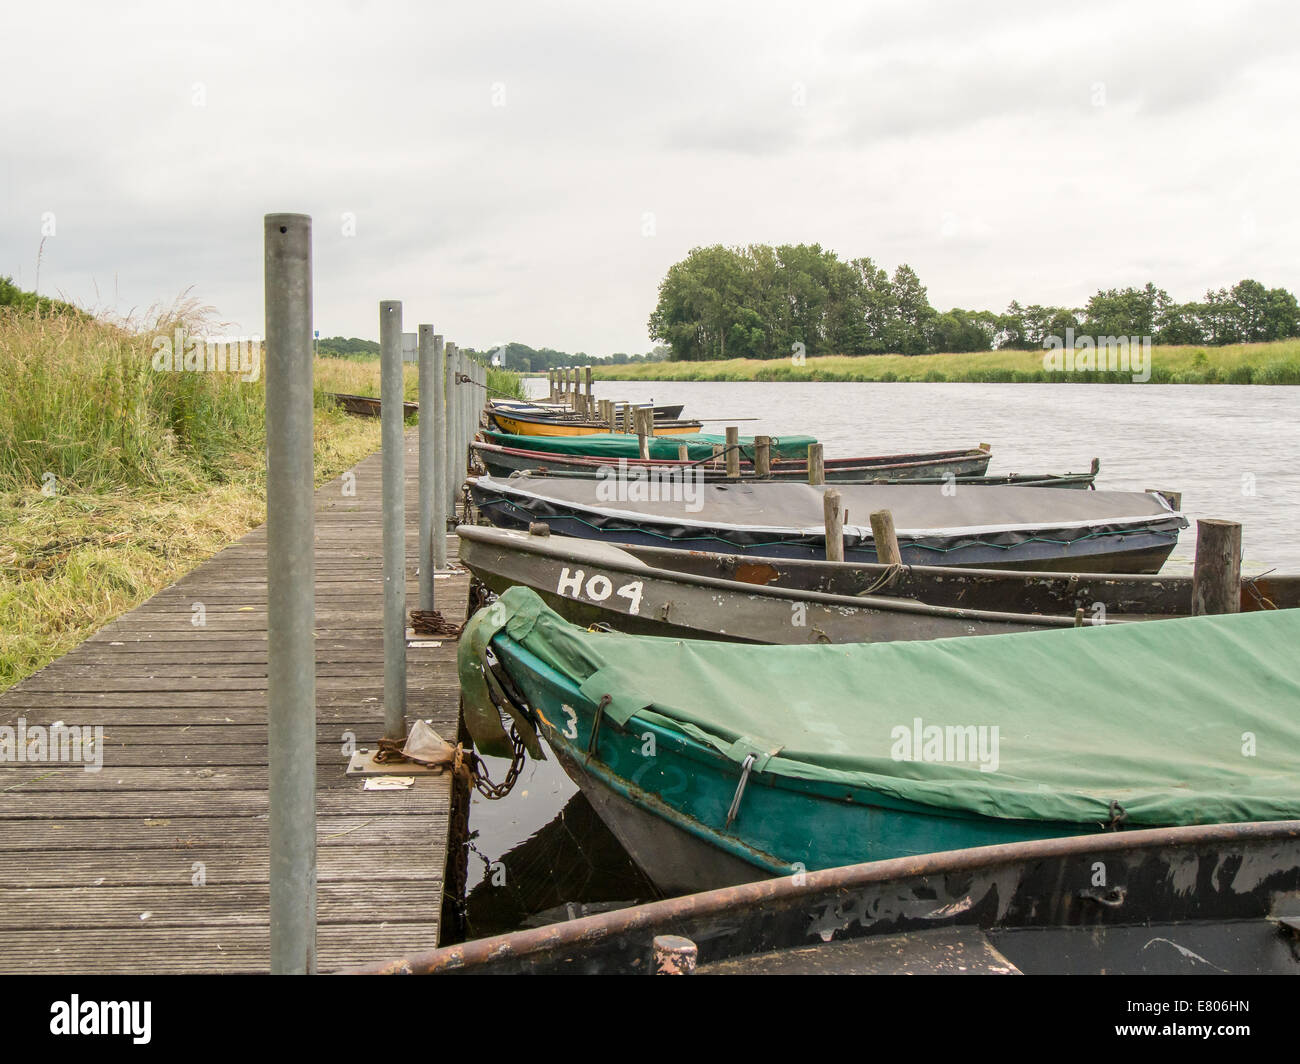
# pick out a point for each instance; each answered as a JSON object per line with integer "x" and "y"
{"x": 529, "y": 171}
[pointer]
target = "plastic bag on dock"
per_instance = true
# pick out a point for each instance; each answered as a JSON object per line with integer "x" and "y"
{"x": 426, "y": 746}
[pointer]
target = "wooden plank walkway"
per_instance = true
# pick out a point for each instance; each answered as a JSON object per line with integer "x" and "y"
{"x": 158, "y": 862}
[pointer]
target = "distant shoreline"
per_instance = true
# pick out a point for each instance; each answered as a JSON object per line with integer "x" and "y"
{"x": 1276, "y": 363}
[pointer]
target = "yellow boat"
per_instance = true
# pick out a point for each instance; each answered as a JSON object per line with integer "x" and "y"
{"x": 521, "y": 425}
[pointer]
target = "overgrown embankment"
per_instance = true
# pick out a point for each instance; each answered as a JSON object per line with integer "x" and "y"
{"x": 116, "y": 478}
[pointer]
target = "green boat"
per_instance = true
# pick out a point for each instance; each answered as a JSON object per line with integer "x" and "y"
{"x": 622, "y": 445}
{"x": 717, "y": 762}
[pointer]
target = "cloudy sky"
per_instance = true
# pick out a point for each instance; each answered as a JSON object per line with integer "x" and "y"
{"x": 529, "y": 171}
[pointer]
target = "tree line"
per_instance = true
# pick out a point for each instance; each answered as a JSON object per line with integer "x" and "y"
{"x": 524, "y": 359}
{"x": 769, "y": 302}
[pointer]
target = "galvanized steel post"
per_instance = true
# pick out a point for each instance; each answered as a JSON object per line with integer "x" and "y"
{"x": 453, "y": 430}
{"x": 291, "y": 596}
{"x": 439, "y": 386}
{"x": 394, "y": 459}
{"x": 428, "y": 459}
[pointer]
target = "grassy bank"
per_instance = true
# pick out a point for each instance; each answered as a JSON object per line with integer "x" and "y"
{"x": 360, "y": 376}
{"x": 116, "y": 479}
{"x": 1271, "y": 363}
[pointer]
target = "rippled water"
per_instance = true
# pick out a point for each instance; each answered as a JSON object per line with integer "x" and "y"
{"x": 1231, "y": 451}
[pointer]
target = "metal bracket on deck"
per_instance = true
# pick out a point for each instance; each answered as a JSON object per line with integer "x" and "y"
{"x": 363, "y": 763}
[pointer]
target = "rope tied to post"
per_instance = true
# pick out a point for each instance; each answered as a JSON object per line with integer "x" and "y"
{"x": 886, "y": 579}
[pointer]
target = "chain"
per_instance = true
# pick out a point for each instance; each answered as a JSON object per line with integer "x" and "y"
{"x": 472, "y": 766}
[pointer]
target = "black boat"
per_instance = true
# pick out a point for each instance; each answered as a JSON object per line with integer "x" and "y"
{"x": 981, "y": 526}
{"x": 1207, "y": 899}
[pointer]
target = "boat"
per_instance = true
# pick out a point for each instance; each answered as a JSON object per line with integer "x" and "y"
{"x": 536, "y": 425}
{"x": 933, "y": 466}
{"x": 716, "y": 763}
{"x": 986, "y": 527}
{"x": 1204, "y": 899}
{"x": 699, "y": 445}
{"x": 539, "y": 408}
{"x": 697, "y": 595}
{"x": 368, "y": 405}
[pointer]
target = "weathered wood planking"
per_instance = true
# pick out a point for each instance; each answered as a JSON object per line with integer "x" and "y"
{"x": 98, "y": 869}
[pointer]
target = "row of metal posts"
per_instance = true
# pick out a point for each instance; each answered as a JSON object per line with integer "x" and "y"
{"x": 452, "y": 392}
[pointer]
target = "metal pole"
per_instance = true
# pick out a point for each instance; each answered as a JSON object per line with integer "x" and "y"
{"x": 291, "y": 594}
{"x": 438, "y": 385}
{"x": 394, "y": 457}
{"x": 449, "y": 456}
{"x": 428, "y": 459}
{"x": 457, "y": 399}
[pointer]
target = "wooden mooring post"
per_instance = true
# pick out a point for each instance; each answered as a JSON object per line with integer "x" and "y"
{"x": 1216, "y": 577}
{"x": 644, "y": 430}
{"x": 762, "y": 456}
{"x": 885, "y": 538}
{"x": 834, "y": 517}
{"x": 733, "y": 451}
{"x": 816, "y": 466}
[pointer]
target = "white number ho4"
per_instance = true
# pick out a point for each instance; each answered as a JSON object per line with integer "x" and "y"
{"x": 598, "y": 588}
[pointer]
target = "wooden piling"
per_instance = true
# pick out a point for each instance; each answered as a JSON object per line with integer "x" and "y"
{"x": 816, "y": 467}
{"x": 642, "y": 432}
{"x": 834, "y": 526}
{"x": 733, "y": 451}
{"x": 762, "y": 456}
{"x": 886, "y": 540}
{"x": 1216, "y": 578}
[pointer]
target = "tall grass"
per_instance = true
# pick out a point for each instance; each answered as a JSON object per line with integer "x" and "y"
{"x": 116, "y": 478}
{"x": 83, "y": 404}
{"x": 1268, "y": 363}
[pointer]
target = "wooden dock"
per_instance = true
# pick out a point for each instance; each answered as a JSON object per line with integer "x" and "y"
{"x": 159, "y": 861}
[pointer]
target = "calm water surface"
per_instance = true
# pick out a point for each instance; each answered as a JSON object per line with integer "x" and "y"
{"x": 1231, "y": 451}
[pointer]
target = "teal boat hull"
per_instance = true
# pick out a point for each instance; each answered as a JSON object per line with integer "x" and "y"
{"x": 668, "y": 797}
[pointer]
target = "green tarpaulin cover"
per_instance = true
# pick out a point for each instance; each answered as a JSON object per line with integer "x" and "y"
{"x": 621, "y": 445}
{"x": 1186, "y": 721}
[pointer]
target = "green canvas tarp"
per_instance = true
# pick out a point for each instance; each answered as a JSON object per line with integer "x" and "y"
{"x": 621, "y": 445}
{"x": 1186, "y": 721}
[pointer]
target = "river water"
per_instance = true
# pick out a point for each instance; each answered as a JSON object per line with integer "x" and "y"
{"x": 1232, "y": 451}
